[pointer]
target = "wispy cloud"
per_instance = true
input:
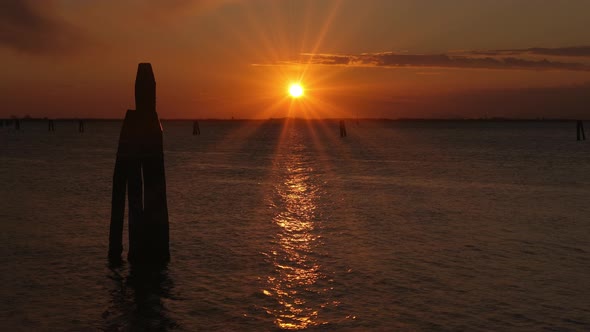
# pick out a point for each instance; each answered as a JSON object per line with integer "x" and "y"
{"x": 572, "y": 51}
{"x": 525, "y": 59}
{"x": 33, "y": 27}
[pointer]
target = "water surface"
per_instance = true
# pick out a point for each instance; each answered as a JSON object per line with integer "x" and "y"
{"x": 284, "y": 225}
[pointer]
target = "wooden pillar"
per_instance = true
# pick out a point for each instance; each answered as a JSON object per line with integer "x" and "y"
{"x": 196, "y": 129}
{"x": 117, "y": 210}
{"x": 580, "y": 131}
{"x": 342, "y": 129}
{"x": 140, "y": 167}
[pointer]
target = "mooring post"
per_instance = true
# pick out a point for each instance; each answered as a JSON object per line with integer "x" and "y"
{"x": 81, "y": 126}
{"x": 140, "y": 167}
{"x": 342, "y": 129}
{"x": 196, "y": 129}
{"x": 17, "y": 124}
{"x": 580, "y": 131}
{"x": 117, "y": 208}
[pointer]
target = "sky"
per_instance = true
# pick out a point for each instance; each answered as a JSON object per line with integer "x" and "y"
{"x": 354, "y": 58}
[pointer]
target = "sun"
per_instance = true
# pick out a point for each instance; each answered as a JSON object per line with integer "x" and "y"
{"x": 296, "y": 90}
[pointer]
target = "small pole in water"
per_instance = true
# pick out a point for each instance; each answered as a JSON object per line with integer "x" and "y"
{"x": 50, "y": 125}
{"x": 81, "y": 126}
{"x": 342, "y": 129}
{"x": 196, "y": 129}
{"x": 580, "y": 131}
{"x": 17, "y": 124}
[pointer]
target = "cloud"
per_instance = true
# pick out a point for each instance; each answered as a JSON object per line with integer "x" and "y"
{"x": 525, "y": 59}
{"x": 160, "y": 11}
{"x": 32, "y": 26}
{"x": 572, "y": 51}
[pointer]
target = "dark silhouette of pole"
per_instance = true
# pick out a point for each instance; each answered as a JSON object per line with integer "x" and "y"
{"x": 196, "y": 129}
{"x": 139, "y": 168}
{"x": 580, "y": 131}
{"x": 81, "y": 126}
{"x": 50, "y": 125}
{"x": 17, "y": 124}
{"x": 342, "y": 129}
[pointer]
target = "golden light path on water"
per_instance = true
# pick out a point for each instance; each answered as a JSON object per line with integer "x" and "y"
{"x": 296, "y": 272}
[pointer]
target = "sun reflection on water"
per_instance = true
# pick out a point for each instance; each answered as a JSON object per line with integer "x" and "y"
{"x": 293, "y": 285}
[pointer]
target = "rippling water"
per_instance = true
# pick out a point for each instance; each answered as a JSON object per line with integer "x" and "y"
{"x": 283, "y": 225}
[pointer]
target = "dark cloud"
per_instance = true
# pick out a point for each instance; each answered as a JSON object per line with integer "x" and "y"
{"x": 31, "y": 26}
{"x": 489, "y": 60}
{"x": 572, "y": 51}
{"x": 583, "y": 51}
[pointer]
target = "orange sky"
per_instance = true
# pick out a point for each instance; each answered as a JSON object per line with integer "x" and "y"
{"x": 223, "y": 58}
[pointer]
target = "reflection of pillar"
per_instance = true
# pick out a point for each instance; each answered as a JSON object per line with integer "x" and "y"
{"x": 137, "y": 301}
{"x": 140, "y": 168}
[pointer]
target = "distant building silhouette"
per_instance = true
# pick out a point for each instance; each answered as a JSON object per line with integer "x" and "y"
{"x": 139, "y": 168}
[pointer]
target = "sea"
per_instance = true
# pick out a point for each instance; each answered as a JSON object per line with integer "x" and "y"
{"x": 282, "y": 224}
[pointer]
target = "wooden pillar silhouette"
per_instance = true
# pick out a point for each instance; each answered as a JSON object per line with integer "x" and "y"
{"x": 139, "y": 169}
{"x": 342, "y": 129}
{"x": 580, "y": 131}
{"x": 196, "y": 129}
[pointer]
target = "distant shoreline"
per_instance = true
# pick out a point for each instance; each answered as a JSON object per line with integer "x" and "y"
{"x": 320, "y": 119}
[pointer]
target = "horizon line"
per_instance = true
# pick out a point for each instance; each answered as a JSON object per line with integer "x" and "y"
{"x": 491, "y": 119}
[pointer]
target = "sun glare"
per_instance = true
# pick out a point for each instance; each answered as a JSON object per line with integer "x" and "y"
{"x": 296, "y": 90}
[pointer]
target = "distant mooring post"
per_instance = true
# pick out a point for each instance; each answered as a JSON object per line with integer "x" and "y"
{"x": 17, "y": 124}
{"x": 50, "y": 125}
{"x": 580, "y": 131}
{"x": 342, "y": 129}
{"x": 196, "y": 129}
{"x": 139, "y": 168}
{"x": 81, "y": 126}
